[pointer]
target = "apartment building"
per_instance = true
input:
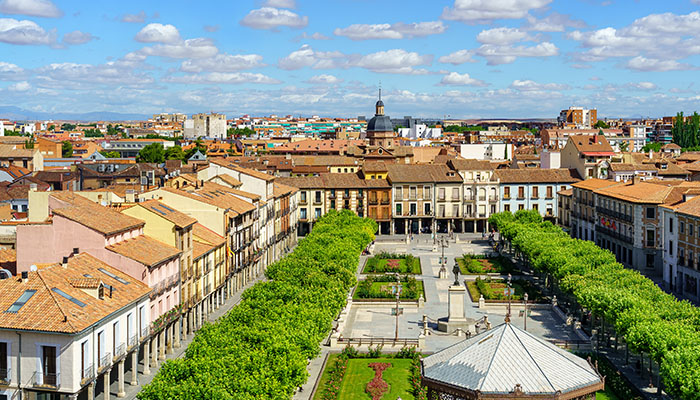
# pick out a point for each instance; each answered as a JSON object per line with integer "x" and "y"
{"x": 416, "y": 189}
{"x": 211, "y": 126}
{"x": 19, "y": 156}
{"x": 534, "y": 189}
{"x": 480, "y": 193}
{"x": 129, "y": 148}
{"x": 67, "y": 325}
{"x": 564, "y": 206}
{"x": 578, "y": 117}
{"x": 589, "y": 155}
{"x": 209, "y": 263}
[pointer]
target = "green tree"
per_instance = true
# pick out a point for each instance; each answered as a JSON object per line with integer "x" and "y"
{"x": 235, "y": 132}
{"x": 67, "y": 149}
{"x": 110, "y": 154}
{"x": 93, "y": 133}
{"x": 678, "y": 130}
{"x": 52, "y": 127}
{"x": 153, "y": 153}
{"x": 67, "y": 127}
{"x": 624, "y": 146}
{"x": 174, "y": 153}
{"x": 653, "y": 146}
{"x": 601, "y": 124}
{"x": 29, "y": 144}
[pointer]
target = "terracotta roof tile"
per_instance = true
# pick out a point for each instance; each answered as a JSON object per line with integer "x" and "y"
{"x": 561, "y": 175}
{"x": 146, "y": 250}
{"x": 48, "y": 311}
{"x": 181, "y": 220}
{"x": 407, "y": 173}
{"x": 206, "y": 235}
{"x": 94, "y": 216}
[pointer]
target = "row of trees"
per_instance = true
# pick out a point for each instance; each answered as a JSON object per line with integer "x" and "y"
{"x": 156, "y": 153}
{"x": 650, "y": 320}
{"x": 686, "y": 134}
{"x": 259, "y": 350}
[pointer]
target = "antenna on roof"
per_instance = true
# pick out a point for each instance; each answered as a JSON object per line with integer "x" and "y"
{"x": 380, "y": 90}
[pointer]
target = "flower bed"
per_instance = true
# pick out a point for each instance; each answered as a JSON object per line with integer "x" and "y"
{"x": 470, "y": 264}
{"x": 378, "y": 287}
{"x": 493, "y": 290}
{"x": 392, "y": 263}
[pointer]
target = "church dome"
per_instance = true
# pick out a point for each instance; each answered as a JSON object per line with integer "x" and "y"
{"x": 380, "y": 123}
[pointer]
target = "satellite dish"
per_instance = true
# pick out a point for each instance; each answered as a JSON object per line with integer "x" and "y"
{"x": 32, "y": 267}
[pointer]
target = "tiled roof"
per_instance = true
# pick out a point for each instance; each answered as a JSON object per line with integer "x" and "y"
{"x": 302, "y": 182}
{"x": 216, "y": 195}
{"x": 181, "y": 220}
{"x": 670, "y": 146}
{"x": 637, "y": 192}
{"x": 280, "y": 189}
{"x": 690, "y": 207}
{"x": 374, "y": 167}
{"x": 505, "y": 357}
{"x": 591, "y": 143}
{"x": 594, "y": 183}
{"x": 561, "y": 175}
{"x": 15, "y": 171}
{"x": 616, "y": 167}
{"x": 566, "y": 192}
{"x": 408, "y": 173}
{"x": 200, "y": 248}
{"x": 8, "y": 255}
{"x": 94, "y": 216}
{"x": 146, "y": 250}
{"x": 224, "y": 162}
{"x": 470, "y": 165}
{"x": 16, "y": 151}
{"x": 229, "y": 180}
{"x": 50, "y": 312}
{"x": 206, "y": 235}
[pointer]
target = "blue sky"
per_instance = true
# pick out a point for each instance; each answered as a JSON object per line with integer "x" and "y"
{"x": 463, "y": 58}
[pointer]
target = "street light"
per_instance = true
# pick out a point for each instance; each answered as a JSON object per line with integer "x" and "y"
{"x": 509, "y": 297}
{"x": 525, "y": 298}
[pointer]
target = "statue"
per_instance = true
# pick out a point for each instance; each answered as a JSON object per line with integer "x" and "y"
{"x": 455, "y": 270}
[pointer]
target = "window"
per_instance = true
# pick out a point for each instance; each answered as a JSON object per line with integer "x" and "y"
{"x": 536, "y": 207}
{"x": 455, "y": 210}
{"x": 397, "y": 193}
{"x": 681, "y": 227}
{"x": 303, "y": 197}
{"x": 398, "y": 210}
{"x": 347, "y": 193}
{"x": 317, "y": 213}
{"x": 521, "y": 206}
{"x": 521, "y": 192}
{"x": 651, "y": 238}
{"x": 332, "y": 204}
{"x": 67, "y": 296}
{"x": 650, "y": 261}
{"x": 426, "y": 208}
{"x": 670, "y": 225}
{"x": 690, "y": 230}
{"x": 455, "y": 193}
{"x": 426, "y": 192}
{"x": 535, "y": 192}
{"x": 549, "y": 192}
{"x": 413, "y": 192}
{"x": 4, "y": 357}
{"x": 651, "y": 212}
{"x": 506, "y": 207}
{"x": 111, "y": 275}
{"x": 318, "y": 197}
{"x": 302, "y": 214}
{"x": 85, "y": 360}
{"x": 23, "y": 299}
{"x": 49, "y": 366}
{"x": 441, "y": 194}
{"x": 506, "y": 192}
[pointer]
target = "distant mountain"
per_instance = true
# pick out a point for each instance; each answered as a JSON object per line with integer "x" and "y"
{"x": 18, "y": 114}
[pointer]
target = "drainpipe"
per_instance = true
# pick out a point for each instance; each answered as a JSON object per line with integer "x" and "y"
{"x": 19, "y": 366}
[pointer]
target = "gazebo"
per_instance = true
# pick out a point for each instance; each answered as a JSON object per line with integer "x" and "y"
{"x": 508, "y": 363}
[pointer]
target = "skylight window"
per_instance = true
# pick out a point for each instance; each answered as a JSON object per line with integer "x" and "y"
{"x": 111, "y": 275}
{"x": 69, "y": 297}
{"x": 23, "y": 299}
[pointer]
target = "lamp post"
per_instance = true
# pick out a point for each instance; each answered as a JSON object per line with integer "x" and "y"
{"x": 398, "y": 295}
{"x": 525, "y": 315}
{"x": 509, "y": 297}
{"x": 443, "y": 261}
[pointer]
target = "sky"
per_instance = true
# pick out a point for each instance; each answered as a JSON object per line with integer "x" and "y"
{"x": 436, "y": 58}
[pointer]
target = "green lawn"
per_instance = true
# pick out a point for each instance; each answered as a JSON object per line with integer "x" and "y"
{"x": 376, "y": 265}
{"x": 606, "y": 395}
{"x": 383, "y": 290}
{"x": 492, "y": 289}
{"x": 471, "y": 266}
{"x": 359, "y": 374}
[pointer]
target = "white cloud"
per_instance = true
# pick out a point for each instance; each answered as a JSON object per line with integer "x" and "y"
{"x": 158, "y": 33}
{"x": 223, "y": 63}
{"x": 532, "y": 86}
{"x": 314, "y": 36}
{"x": 395, "y": 61}
{"x": 34, "y": 8}
{"x": 19, "y": 87}
{"x": 76, "y": 76}
{"x": 496, "y": 55}
{"x": 393, "y": 31}
{"x": 501, "y": 36}
{"x": 640, "y": 63}
{"x": 135, "y": 18}
{"x": 271, "y": 18}
{"x": 11, "y": 72}
{"x": 456, "y": 79}
{"x": 656, "y": 37}
{"x": 212, "y": 28}
{"x": 458, "y": 57}
{"x": 78, "y": 37}
{"x": 553, "y": 22}
{"x": 24, "y": 32}
{"x": 281, "y": 3}
{"x": 308, "y": 57}
{"x": 190, "y": 48}
{"x": 482, "y": 11}
{"x": 642, "y": 86}
{"x": 324, "y": 79}
{"x": 223, "y": 78}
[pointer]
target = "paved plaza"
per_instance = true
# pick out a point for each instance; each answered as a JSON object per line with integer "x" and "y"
{"x": 376, "y": 321}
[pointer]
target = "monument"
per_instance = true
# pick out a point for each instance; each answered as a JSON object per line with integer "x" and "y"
{"x": 456, "y": 318}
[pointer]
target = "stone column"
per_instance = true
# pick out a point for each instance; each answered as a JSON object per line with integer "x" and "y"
{"x": 147, "y": 357}
{"x": 120, "y": 379}
{"x": 105, "y": 377}
{"x": 134, "y": 368}
{"x": 162, "y": 344}
{"x": 178, "y": 327}
{"x": 154, "y": 352}
{"x": 73, "y": 396}
{"x": 91, "y": 391}
{"x": 168, "y": 337}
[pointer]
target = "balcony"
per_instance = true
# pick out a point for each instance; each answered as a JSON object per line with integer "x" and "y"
{"x": 105, "y": 362}
{"x": 441, "y": 198}
{"x": 332, "y": 196}
{"x": 614, "y": 234}
{"x": 482, "y": 198}
{"x": 506, "y": 197}
{"x": 46, "y": 380}
{"x": 317, "y": 201}
{"x": 5, "y": 374}
{"x": 119, "y": 352}
{"x": 87, "y": 375}
{"x": 385, "y": 201}
{"x": 133, "y": 341}
{"x": 145, "y": 332}
{"x": 303, "y": 202}
{"x": 373, "y": 202}
{"x": 468, "y": 198}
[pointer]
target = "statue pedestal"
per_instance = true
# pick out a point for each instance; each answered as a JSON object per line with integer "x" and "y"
{"x": 443, "y": 272}
{"x": 455, "y": 317}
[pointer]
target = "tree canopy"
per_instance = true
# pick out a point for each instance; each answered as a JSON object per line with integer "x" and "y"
{"x": 153, "y": 153}
{"x": 234, "y": 132}
{"x": 685, "y": 134}
{"x": 67, "y": 149}
{"x": 601, "y": 124}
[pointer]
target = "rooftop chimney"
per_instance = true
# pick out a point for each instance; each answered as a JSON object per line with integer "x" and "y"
{"x": 64, "y": 263}
{"x": 25, "y": 276}
{"x": 76, "y": 250}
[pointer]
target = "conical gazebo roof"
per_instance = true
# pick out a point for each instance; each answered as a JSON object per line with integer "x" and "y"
{"x": 509, "y": 361}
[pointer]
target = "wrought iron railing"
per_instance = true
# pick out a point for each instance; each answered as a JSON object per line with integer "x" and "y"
{"x": 87, "y": 374}
{"x": 46, "y": 380}
{"x": 5, "y": 374}
{"x": 105, "y": 361}
{"x": 119, "y": 351}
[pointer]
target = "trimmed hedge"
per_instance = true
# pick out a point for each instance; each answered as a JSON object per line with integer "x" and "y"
{"x": 651, "y": 320}
{"x": 260, "y": 349}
